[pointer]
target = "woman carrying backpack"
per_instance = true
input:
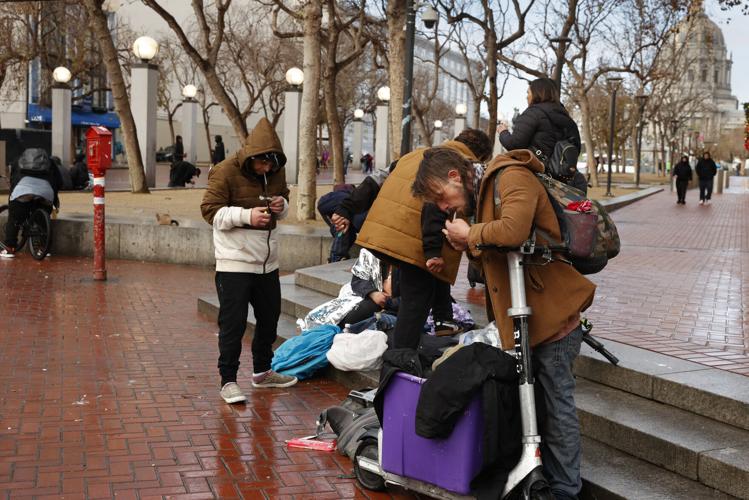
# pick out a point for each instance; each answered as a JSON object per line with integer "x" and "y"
{"x": 544, "y": 123}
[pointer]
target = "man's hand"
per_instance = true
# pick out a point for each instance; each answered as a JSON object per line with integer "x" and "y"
{"x": 341, "y": 223}
{"x": 501, "y": 127}
{"x": 259, "y": 217}
{"x": 378, "y": 298}
{"x": 436, "y": 264}
{"x": 457, "y": 233}
{"x": 276, "y": 204}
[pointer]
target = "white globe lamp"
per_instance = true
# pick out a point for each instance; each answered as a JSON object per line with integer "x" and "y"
{"x": 358, "y": 114}
{"x": 189, "y": 91}
{"x": 145, "y": 48}
{"x": 383, "y": 94}
{"x": 61, "y": 74}
{"x": 295, "y": 76}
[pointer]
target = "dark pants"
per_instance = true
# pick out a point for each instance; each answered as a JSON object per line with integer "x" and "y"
{"x": 235, "y": 292}
{"x": 706, "y": 188}
{"x": 363, "y": 310}
{"x": 420, "y": 292}
{"x": 681, "y": 188}
{"x": 18, "y": 212}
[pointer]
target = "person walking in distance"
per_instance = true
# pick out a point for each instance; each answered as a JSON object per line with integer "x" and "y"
{"x": 245, "y": 197}
{"x": 706, "y": 170}
{"x": 683, "y": 173}
{"x": 219, "y": 152}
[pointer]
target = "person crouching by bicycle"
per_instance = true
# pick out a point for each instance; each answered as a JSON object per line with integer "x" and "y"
{"x": 509, "y": 206}
{"x": 33, "y": 178}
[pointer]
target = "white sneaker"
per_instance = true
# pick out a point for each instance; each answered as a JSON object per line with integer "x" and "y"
{"x": 5, "y": 254}
{"x": 702, "y": 202}
{"x": 272, "y": 379}
{"x": 232, "y": 393}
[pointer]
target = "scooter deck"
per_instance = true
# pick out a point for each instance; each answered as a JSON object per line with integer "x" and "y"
{"x": 410, "y": 484}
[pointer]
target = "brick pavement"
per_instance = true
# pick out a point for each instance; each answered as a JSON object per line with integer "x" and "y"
{"x": 678, "y": 285}
{"x": 111, "y": 391}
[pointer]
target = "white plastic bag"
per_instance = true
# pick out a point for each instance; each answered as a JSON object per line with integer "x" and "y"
{"x": 358, "y": 351}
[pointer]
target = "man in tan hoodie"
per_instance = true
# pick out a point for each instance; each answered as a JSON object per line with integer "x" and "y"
{"x": 246, "y": 195}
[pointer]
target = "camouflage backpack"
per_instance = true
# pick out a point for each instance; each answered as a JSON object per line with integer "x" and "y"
{"x": 588, "y": 232}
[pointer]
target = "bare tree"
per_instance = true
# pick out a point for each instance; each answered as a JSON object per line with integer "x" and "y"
{"x": 100, "y": 27}
{"x": 211, "y": 31}
{"x": 500, "y": 31}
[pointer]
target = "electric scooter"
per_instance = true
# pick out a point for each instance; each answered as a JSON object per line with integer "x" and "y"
{"x": 526, "y": 480}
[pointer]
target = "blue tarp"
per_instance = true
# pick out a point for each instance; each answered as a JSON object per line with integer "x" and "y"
{"x": 40, "y": 114}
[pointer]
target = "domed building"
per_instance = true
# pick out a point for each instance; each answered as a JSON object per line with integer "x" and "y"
{"x": 707, "y": 77}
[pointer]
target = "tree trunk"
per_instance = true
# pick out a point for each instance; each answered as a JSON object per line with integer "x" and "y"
{"x": 219, "y": 93}
{"x": 307, "y": 188}
{"x": 396, "y": 21}
{"x": 207, "y": 129}
{"x": 100, "y": 27}
{"x": 587, "y": 130}
{"x": 422, "y": 128}
{"x": 170, "y": 119}
{"x": 330, "y": 76}
{"x": 491, "y": 67}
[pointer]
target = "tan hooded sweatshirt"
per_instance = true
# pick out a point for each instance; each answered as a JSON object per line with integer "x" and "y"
{"x": 233, "y": 191}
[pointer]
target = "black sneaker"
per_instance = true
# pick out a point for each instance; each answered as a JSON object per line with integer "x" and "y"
{"x": 446, "y": 328}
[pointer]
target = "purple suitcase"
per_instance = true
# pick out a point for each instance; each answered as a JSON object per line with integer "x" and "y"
{"x": 448, "y": 463}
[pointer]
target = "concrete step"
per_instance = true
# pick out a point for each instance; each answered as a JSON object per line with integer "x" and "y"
{"x": 297, "y": 301}
{"x": 611, "y": 474}
{"x": 710, "y": 392}
{"x": 327, "y": 278}
{"x": 693, "y": 446}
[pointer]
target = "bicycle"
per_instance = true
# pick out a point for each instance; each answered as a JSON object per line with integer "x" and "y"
{"x": 36, "y": 229}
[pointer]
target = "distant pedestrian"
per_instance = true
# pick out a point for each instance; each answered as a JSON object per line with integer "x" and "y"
{"x": 178, "y": 152}
{"x": 219, "y": 153}
{"x": 325, "y": 158}
{"x": 683, "y": 173}
{"x": 79, "y": 172}
{"x": 244, "y": 200}
{"x": 706, "y": 170}
{"x": 367, "y": 162}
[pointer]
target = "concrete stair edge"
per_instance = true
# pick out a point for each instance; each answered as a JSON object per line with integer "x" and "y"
{"x": 611, "y": 474}
{"x": 693, "y": 446}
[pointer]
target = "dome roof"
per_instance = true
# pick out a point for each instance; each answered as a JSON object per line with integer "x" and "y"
{"x": 699, "y": 29}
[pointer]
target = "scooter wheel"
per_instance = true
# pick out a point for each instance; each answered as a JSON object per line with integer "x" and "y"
{"x": 371, "y": 481}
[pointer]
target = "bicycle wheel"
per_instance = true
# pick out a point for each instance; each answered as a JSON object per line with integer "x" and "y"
{"x": 21, "y": 239}
{"x": 40, "y": 233}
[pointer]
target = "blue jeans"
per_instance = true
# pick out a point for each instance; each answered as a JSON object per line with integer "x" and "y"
{"x": 560, "y": 432}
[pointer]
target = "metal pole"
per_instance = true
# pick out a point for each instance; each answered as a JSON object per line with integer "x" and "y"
{"x": 100, "y": 268}
{"x": 408, "y": 77}
{"x": 612, "y": 120}
{"x": 639, "y": 153}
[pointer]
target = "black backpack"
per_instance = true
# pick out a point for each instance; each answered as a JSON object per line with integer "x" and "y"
{"x": 34, "y": 161}
{"x": 563, "y": 161}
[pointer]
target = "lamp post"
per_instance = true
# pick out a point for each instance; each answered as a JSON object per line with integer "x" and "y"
{"x": 674, "y": 131}
{"x": 642, "y": 100}
{"x": 561, "y": 50}
{"x": 613, "y": 83}
{"x": 293, "y": 103}
{"x": 430, "y": 20}
{"x": 460, "y": 119}
{"x": 437, "y": 133}
{"x": 190, "y": 122}
{"x": 61, "y": 115}
{"x": 382, "y": 156}
{"x": 356, "y": 146}
{"x": 144, "y": 84}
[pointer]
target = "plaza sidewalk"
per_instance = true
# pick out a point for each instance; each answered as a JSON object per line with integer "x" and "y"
{"x": 110, "y": 390}
{"x": 678, "y": 287}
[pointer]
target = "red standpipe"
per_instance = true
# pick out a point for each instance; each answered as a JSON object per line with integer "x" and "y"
{"x": 100, "y": 270}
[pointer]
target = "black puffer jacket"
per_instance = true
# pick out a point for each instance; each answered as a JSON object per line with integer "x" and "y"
{"x": 539, "y": 127}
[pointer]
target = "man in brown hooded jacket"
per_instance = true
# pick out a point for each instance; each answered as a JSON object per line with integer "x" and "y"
{"x": 511, "y": 202}
{"x": 246, "y": 195}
